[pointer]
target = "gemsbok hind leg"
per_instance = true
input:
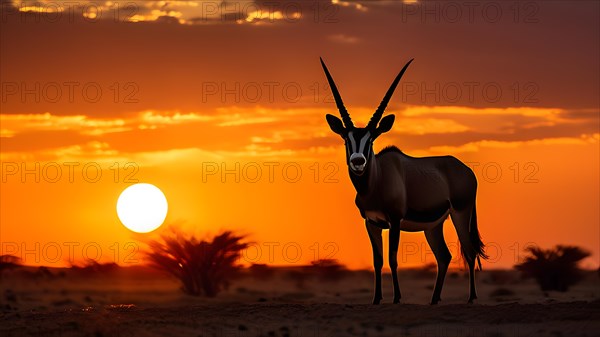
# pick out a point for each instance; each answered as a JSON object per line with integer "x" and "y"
{"x": 435, "y": 239}
{"x": 377, "y": 245}
{"x": 462, "y": 221}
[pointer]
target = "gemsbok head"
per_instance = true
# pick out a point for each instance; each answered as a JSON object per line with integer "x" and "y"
{"x": 359, "y": 141}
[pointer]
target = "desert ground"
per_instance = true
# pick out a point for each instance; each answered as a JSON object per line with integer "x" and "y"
{"x": 138, "y": 301}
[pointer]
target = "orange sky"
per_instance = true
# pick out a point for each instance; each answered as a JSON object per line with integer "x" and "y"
{"x": 183, "y": 90}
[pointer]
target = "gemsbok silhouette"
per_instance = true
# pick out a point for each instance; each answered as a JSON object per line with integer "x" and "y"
{"x": 402, "y": 193}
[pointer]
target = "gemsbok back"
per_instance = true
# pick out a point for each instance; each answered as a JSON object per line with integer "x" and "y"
{"x": 402, "y": 193}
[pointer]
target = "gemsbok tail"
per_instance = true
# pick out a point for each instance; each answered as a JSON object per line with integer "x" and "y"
{"x": 475, "y": 238}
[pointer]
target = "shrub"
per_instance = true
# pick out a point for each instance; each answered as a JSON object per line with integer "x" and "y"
{"x": 554, "y": 269}
{"x": 92, "y": 267}
{"x": 203, "y": 267}
{"x": 8, "y": 262}
{"x": 328, "y": 270}
{"x": 261, "y": 271}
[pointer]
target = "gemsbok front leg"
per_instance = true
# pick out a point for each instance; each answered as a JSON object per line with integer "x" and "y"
{"x": 435, "y": 239}
{"x": 394, "y": 239}
{"x": 377, "y": 245}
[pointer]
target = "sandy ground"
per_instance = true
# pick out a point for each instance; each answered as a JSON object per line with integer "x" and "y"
{"x": 141, "y": 303}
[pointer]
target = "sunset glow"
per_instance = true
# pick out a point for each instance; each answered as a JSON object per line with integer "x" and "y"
{"x": 225, "y": 113}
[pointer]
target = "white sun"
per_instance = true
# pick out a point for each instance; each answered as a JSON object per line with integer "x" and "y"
{"x": 142, "y": 207}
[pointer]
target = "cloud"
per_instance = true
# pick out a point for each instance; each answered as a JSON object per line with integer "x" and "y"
{"x": 222, "y": 117}
{"x": 584, "y": 139}
{"x": 344, "y": 39}
{"x": 14, "y": 124}
{"x": 424, "y": 126}
{"x": 240, "y": 131}
{"x": 259, "y": 16}
{"x": 461, "y": 110}
{"x": 245, "y": 121}
{"x": 96, "y": 151}
{"x": 356, "y": 5}
{"x": 6, "y": 133}
{"x": 182, "y": 12}
{"x": 165, "y": 118}
{"x": 511, "y": 120}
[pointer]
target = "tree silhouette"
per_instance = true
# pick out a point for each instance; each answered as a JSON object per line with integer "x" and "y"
{"x": 554, "y": 269}
{"x": 203, "y": 267}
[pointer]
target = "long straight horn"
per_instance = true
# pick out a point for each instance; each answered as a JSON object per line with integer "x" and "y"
{"x": 338, "y": 99}
{"x": 379, "y": 112}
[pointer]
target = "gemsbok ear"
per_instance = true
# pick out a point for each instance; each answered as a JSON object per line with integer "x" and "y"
{"x": 336, "y": 124}
{"x": 386, "y": 124}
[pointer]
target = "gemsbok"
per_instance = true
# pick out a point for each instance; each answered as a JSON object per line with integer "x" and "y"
{"x": 402, "y": 193}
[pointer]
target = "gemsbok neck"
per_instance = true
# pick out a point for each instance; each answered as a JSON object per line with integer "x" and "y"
{"x": 365, "y": 183}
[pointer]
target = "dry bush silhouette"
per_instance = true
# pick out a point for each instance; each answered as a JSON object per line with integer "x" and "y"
{"x": 9, "y": 262}
{"x": 554, "y": 269}
{"x": 325, "y": 270}
{"x": 261, "y": 271}
{"x": 329, "y": 270}
{"x": 91, "y": 267}
{"x": 203, "y": 267}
